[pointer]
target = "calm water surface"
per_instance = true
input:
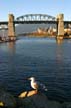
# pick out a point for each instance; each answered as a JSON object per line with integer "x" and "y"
{"x": 43, "y": 58}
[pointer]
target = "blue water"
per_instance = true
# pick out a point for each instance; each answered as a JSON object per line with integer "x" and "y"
{"x": 43, "y": 58}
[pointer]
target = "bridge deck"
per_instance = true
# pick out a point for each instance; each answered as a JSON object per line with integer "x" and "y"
{"x": 33, "y": 22}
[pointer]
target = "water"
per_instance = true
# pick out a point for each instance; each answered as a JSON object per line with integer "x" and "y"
{"x": 43, "y": 58}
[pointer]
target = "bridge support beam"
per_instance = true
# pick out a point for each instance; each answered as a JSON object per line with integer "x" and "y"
{"x": 60, "y": 21}
{"x": 11, "y": 28}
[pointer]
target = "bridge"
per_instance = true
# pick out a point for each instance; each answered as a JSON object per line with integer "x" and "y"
{"x": 32, "y": 19}
{"x": 35, "y": 19}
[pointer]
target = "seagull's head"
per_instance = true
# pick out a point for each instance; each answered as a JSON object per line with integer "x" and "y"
{"x": 31, "y": 78}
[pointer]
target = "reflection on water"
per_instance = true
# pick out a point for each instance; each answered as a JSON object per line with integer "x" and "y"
{"x": 47, "y": 59}
{"x": 59, "y": 54}
{"x": 59, "y": 41}
{"x": 11, "y": 46}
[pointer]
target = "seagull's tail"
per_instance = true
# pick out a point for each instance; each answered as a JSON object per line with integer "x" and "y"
{"x": 44, "y": 87}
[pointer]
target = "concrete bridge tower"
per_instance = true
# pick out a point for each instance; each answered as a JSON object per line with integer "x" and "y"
{"x": 11, "y": 27}
{"x": 60, "y": 21}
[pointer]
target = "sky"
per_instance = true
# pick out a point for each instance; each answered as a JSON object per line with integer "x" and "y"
{"x": 22, "y": 7}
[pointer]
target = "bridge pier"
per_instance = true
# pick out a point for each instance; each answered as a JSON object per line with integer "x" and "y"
{"x": 11, "y": 28}
{"x": 60, "y": 26}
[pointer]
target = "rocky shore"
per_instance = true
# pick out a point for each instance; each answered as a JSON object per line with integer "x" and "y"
{"x": 30, "y": 99}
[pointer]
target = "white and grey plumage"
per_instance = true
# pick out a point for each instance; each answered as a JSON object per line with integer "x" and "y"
{"x": 37, "y": 85}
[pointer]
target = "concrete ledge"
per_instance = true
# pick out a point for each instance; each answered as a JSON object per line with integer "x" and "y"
{"x": 39, "y": 100}
{"x": 31, "y": 99}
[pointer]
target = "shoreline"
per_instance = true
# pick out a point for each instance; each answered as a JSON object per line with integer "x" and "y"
{"x": 4, "y": 40}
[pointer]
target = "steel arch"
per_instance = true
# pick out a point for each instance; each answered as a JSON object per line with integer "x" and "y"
{"x": 35, "y": 17}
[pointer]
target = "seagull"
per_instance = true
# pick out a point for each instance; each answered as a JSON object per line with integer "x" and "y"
{"x": 37, "y": 85}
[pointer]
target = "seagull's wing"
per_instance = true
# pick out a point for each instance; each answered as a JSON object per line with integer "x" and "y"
{"x": 36, "y": 86}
